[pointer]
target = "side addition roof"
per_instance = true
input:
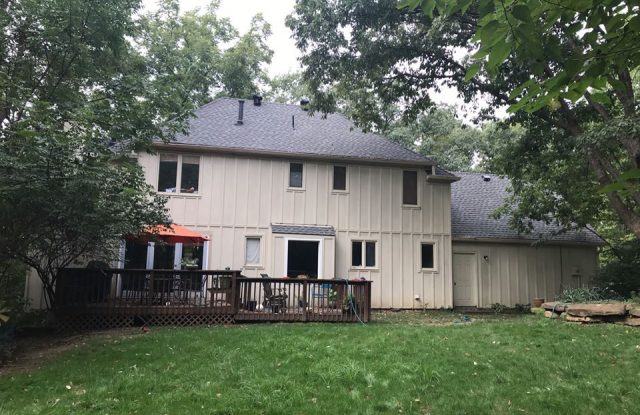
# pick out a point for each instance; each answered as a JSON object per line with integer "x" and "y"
{"x": 273, "y": 129}
{"x": 303, "y": 229}
{"x": 472, "y": 202}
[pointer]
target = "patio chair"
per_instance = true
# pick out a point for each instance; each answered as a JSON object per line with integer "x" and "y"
{"x": 275, "y": 302}
{"x": 320, "y": 294}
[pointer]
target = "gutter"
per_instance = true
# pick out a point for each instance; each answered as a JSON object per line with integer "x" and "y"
{"x": 524, "y": 241}
{"x": 442, "y": 179}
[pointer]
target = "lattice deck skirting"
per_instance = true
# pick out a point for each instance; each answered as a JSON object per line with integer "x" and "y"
{"x": 84, "y": 322}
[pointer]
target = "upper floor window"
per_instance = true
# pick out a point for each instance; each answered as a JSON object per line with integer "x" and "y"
{"x": 178, "y": 169}
{"x": 339, "y": 178}
{"x": 295, "y": 175}
{"x": 410, "y": 187}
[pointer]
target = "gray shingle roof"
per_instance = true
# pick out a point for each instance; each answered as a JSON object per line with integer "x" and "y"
{"x": 268, "y": 128}
{"x": 303, "y": 229}
{"x": 472, "y": 202}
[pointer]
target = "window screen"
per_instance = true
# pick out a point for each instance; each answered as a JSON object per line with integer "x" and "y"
{"x": 427, "y": 255}
{"x": 167, "y": 175}
{"x": 370, "y": 254}
{"x": 409, "y": 187}
{"x": 339, "y": 178}
{"x": 356, "y": 254}
{"x": 363, "y": 253}
{"x": 252, "y": 255}
{"x": 295, "y": 175}
{"x": 190, "y": 174}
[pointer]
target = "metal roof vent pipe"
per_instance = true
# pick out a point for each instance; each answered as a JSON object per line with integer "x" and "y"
{"x": 304, "y": 103}
{"x": 486, "y": 177}
{"x": 240, "y": 112}
{"x": 257, "y": 100}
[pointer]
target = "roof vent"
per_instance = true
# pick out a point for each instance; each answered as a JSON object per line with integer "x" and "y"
{"x": 486, "y": 177}
{"x": 257, "y": 100}
{"x": 304, "y": 103}
{"x": 240, "y": 112}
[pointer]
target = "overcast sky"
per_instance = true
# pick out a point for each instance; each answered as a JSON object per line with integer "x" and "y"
{"x": 286, "y": 54}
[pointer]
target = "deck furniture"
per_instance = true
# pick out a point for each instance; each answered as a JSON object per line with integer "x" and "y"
{"x": 275, "y": 302}
{"x": 128, "y": 297}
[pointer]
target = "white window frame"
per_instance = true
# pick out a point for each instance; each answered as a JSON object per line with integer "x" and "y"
{"x": 435, "y": 255}
{"x": 346, "y": 178}
{"x": 418, "y": 191}
{"x": 179, "y": 175}
{"x": 320, "y": 254}
{"x": 260, "y": 264}
{"x": 295, "y": 189}
{"x": 363, "y": 243}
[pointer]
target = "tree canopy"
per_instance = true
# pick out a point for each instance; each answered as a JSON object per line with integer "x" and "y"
{"x": 82, "y": 85}
{"x": 565, "y": 70}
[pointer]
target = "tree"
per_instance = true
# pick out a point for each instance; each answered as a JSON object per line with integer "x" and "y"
{"x": 82, "y": 84}
{"x": 564, "y": 67}
{"x": 289, "y": 88}
{"x": 242, "y": 67}
{"x": 63, "y": 201}
{"x": 457, "y": 147}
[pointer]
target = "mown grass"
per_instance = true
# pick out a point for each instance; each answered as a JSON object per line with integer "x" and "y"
{"x": 491, "y": 365}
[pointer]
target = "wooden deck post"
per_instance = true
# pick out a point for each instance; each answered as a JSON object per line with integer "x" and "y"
{"x": 235, "y": 293}
{"x": 367, "y": 302}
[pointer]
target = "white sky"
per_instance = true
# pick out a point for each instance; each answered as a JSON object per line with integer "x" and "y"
{"x": 285, "y": 54}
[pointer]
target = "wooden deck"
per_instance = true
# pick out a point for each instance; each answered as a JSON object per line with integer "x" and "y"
{"x": 87, "y": 299}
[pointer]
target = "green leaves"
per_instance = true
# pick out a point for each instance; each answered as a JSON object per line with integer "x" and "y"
{"x": 625, "y": 184}
{"x": 521, "y": 12}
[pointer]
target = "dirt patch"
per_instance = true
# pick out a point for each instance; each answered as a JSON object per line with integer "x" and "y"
{"x": 32, "y": 352}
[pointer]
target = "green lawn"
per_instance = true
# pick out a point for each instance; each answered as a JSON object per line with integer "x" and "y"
{"x": 402, "y": 363}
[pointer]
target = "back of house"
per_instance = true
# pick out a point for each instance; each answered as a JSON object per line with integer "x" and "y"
{"x": 274, "y": 190}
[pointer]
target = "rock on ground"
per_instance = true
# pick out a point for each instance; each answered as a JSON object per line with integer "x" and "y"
{"x": 584, "y": 319}
{"x": 584, "y": 310}
{"x": 555, "y": 306}
{"x": 632, "y": 321}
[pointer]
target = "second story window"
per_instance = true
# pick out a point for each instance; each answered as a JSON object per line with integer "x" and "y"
{"x": 174, "y": 169}
{"x": 339, "y": 178}
{"x": 410, "y": 187}
{"x": 295, "y": 175}
{"x": 190, "y": 174}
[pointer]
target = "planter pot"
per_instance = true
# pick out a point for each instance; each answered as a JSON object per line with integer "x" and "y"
{"x": 537, "y": 302}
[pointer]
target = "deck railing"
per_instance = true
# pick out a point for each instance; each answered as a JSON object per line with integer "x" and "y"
{"x": 147, "y": 294}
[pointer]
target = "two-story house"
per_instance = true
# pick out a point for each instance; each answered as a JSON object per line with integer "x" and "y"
{"x": 283, "y": 193}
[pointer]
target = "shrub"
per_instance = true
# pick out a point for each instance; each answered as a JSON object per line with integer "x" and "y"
{"x": 622, "y": 275}
{"x": 587, "y": 295}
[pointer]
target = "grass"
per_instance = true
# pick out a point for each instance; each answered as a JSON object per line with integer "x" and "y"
{"x": 403, "y": 363}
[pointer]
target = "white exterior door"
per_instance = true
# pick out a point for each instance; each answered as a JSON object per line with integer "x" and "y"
{"x": 465, "y": 275}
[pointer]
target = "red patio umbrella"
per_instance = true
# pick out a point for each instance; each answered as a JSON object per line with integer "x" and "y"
{"x": 174, "y": 233}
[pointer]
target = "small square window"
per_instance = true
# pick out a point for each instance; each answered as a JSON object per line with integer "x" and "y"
{"x": 363, "y": 253}
{"x": 339, "y": 178}
{"x": 178, "y": 174}
{"x": 252, "y": 253}
{"x": 295, "y": 175}
{"x": 426, "y": 253}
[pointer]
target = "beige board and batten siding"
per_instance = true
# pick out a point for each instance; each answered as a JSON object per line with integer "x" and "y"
{"x": 515, "y": 273}
{"x": 242, "y": 196}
